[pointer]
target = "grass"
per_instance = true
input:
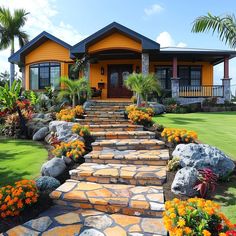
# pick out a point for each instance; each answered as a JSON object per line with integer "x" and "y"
{"x": 217, "y": 129}
{"x": 20, "y": 159}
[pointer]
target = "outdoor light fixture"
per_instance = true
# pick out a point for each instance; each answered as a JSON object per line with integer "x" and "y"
{"x": 102, "y": 70}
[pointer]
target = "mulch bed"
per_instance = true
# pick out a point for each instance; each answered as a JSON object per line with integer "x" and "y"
{"x": 44, "y": 202}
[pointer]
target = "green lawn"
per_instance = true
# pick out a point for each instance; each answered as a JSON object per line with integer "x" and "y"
{"x": 20, "y": 159}
{"x": 217, "y": 129}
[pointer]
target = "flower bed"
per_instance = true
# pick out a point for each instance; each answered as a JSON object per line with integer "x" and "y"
{"x": 13, "y": 199}
{"x": 70, "y": 114}
{"x": 195, "y": 216}
{"x": 81, "y": 130}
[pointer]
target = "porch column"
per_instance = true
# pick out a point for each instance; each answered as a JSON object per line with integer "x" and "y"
{"x": 175, "y": 79}
{"x": 22, "y": 69}
{"x": 87, "y": 70}
{"x": 145, "y": 63}
{"x": 226, "y": 80}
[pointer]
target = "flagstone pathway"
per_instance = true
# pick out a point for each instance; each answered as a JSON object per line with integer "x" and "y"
{"x": 117, "y": 191}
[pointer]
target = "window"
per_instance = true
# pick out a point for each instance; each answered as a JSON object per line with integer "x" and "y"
{"x": 164, "y": 75}
{"x": 190, "y": 75}
{"x": 45, "y": 75}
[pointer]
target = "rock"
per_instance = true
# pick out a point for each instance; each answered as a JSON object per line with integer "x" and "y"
{"x": 38, "y": 115}
{"x": 91, "y": 232}
{"x": 203, "y": 156}
{"x": 87, "y": 104}
{"x": 184, "y": 181}
{"x": 40, "y": 224}
{"x": 67, "y": 160}
{"x": 63, "y": 131}
{"x": 40, "y": 134}
{"x": 54, "y": 168}
{"x": 47, "y": 184}
{"x": 99, "y": 222}
{"x": 48, "y": 116}
{"x": 153, "y": 226}
{"x": 158, "y": 108}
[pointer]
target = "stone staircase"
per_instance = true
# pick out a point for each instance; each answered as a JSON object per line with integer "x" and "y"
{"x": 122, "y": 175}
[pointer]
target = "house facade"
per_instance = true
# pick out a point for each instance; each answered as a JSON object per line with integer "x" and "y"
{"x": 114, "y": 52}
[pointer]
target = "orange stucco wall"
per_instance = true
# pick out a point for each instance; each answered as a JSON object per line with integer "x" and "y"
{"x": 48, "y": 51}
{"x": 116, "y": 41}
{"x": 95, "y": 72}
{"x": 207, "y": 69}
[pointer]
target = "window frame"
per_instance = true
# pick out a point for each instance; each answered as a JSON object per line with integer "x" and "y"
{"x": 166, "y": 67}
{"x": 38, "y": 66}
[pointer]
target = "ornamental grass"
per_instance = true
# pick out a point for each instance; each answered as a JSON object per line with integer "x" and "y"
{"x": 74, "y": 150}
{"x": 70, "y": 114}
{"x": 176, "y": 135}
{"x": 81, "y": 130}
{"x": 195, "y": 217}
{"x": 14, "y": 199}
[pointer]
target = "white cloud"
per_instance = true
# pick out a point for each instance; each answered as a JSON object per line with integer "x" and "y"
{"x": 166, "y": 40}
{"x": 154, "y": 9}
{"x": 40, "y": 19}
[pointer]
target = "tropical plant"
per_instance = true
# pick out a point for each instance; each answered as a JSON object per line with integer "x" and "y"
{"x": 142, "y": 86}
{"x": 9, "y": 95}
{"x": 225, "y": 26}
{"x": 75, "y": 89}
{"x": 206, "y": 182}
{"x": 11, "y": 28}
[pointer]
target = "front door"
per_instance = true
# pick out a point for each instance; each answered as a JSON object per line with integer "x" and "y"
{"x": 117, "y": 74}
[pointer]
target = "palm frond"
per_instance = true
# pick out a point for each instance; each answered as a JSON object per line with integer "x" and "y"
{"x": 224, "y": 26}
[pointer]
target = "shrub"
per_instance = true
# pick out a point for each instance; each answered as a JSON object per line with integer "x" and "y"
{"x": 209, "y": 101}
{"x": 173, "y": 164}
{"x": 81, "y": 130}
{"x": 140, "y": 118}
{"x": 73, "y": 150}
{"x": 147, "y": 110}
{"x": 47, "y": 184}
{"x": 196, "y": 216}
{"x": 206, "y": 181}
{"x": 159, "y": 127}
{"x": 14, "y": 199}
{"x": 176, "y": 136}
{"x": 70, "y": 114}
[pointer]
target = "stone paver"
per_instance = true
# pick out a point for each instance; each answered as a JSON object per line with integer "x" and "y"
{"x": 103, "y": 135}
{"x": 91, "y": 223}
{"x": 101, "y": 121}
{"x": 136, "y": 157}
{"x": 120, "y": 173}
{"x": 126, "y": 199}
{"x": 129, "y": 144}
{"x": 115, "y": 127}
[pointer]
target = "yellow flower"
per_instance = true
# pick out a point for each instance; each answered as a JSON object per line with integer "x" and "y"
{"x": 172, "y": 215}
{"x": 181, "y": 222}
{"x": 206, "y": 233}
{"x": 187, "y": 230}
{"x": 222, "y": 234}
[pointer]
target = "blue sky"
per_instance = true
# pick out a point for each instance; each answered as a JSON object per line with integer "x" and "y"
{"x": 168, "y": 21}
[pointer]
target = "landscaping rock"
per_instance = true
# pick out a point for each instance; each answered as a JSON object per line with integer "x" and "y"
{"x": 158, "y": 108}
{"x": 184, "y": 182}
{"x": 38, "y": 115}
{"x": 63, "y": 131}
{"x": 99, "y": 222}
{"x": 54, "y": 168}
{"x": 91, "y": 232}
{"x": 40, "y": 134}
{"x": 40, "y": 224}
{"x": 203, "y": 156}
{"x": 47, "y": 184}
{"x": 87, "y": 104}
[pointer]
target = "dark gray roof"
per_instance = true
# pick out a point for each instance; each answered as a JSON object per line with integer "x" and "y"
{"x": 35, "y": 42}
{"x": 147, "y": 44}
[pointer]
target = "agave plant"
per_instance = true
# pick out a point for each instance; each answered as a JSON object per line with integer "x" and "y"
{"x": 206, "y": 182}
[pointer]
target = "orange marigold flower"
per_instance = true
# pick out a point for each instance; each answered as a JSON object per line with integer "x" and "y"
{"x": 206, "y": 233}
{"x": 28, "y": 201}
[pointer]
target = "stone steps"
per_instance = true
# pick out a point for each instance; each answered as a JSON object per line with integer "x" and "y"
{"x": 66, "y": 220}
{"x": 134, "y": 157}
{"x": 115, "y": 127}
{"x": 111, "y": 198}
{"x": 104, "y": 135}
{"x": 106, "y": 112}
{"x": 120, "y": 173}
{"x": 106, "y": 116}
{"x": 101, "y": 121}
{"x": 105, "y": 109}
{"x": 129, "y": 144}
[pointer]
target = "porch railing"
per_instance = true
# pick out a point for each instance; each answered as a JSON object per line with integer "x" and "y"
{"x": 201, "y": 91}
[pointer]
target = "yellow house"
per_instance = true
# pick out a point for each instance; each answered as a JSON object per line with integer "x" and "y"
{"x": 112, "y": 53}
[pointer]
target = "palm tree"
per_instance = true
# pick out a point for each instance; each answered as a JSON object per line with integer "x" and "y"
{"x": 143, "y": 85}
{"x": 225, "y": 26}
{"x": 74, "y": 89}
{"x": 11, "y": 28}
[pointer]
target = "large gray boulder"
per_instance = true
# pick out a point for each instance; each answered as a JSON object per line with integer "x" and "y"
{"x": 184, "y": 182}
{"x": 40, "y": 134}
{"x": 54, "y": 168}
{"x": 203, "y": 156}
{"x": 158, "y": 108}
{"x": 63, "y": 131}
